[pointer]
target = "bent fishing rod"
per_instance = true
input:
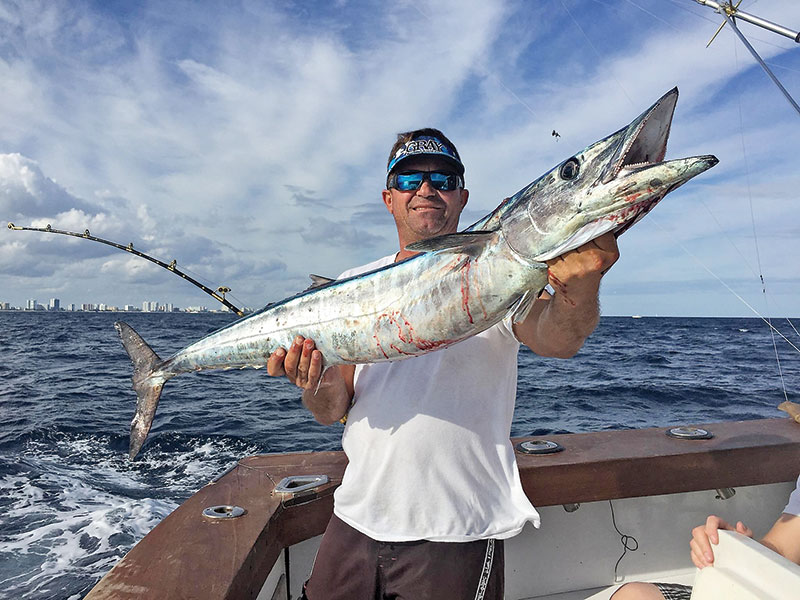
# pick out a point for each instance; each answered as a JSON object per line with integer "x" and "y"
{"x": 171, "y": 267}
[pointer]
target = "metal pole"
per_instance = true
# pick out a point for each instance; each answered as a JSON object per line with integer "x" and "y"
{"x": 769, "y": 25}
{"x": 762, "y": 63}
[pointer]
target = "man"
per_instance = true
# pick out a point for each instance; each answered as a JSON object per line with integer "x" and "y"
{"x": 783, "y": 538}
{"x": 432, "y": 486}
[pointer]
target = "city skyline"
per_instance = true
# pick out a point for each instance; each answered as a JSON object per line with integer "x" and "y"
{"x": 55, "y": 305}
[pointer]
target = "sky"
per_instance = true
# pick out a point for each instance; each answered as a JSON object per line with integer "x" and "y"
{"x": 248, "y": 140}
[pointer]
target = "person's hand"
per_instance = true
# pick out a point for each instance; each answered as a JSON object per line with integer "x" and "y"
{"x": 301, "y": 364}
{"x": 576, "y": 274}
{"x": 705, "y": 535}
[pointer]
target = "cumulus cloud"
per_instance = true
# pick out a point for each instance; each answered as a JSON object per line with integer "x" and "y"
{"x": 26, "y": 192}
{"x": 241, "y": 140}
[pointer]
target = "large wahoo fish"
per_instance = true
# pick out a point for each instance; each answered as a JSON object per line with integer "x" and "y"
{"x": 459, "y": 284}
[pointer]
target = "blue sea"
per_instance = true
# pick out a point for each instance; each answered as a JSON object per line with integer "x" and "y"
{"x": 71, "y": 504}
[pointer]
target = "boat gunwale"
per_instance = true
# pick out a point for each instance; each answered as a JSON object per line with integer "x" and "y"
{"x": 604, "y": 465}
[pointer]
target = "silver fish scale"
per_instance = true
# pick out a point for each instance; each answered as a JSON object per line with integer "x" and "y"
{"x": 445, "y": 297}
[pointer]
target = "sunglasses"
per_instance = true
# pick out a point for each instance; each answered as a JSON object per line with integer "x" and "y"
{"x": 412, "y": 180}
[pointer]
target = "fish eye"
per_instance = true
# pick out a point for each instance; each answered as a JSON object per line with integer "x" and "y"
{"x": 569, "y": 170}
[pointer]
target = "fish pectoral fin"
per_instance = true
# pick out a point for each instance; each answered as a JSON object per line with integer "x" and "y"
{"x": 451, "y": 242}
{"x": 318, "y": 281}
{"x": 519, "y": 311}
{"x": 522, "y": 307}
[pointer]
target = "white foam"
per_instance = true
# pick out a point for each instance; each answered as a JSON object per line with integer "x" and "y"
{"x": 77, "y": 510}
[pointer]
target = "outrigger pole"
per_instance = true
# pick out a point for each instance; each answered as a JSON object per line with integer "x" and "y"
{"x": 731, "y": 13}
{"x": 129, "y": 248}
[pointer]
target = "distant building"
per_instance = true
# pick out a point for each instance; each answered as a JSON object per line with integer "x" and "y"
{"x": 30, "y": 304}
{"x": 88, "y": 307}
{"x": 130, "y": 308}
{"x": 5, "y": 306}
{"x": 71, "y": 307}
{"x": 55, "y": 304}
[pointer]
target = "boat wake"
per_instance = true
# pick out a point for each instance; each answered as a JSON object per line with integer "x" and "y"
{"x": 71, "y": 506}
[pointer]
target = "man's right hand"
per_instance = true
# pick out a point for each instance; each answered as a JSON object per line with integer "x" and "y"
{"x": 327, "y": 395}
{"x": 301, "y": 364}
{"x": 705, "y": 535}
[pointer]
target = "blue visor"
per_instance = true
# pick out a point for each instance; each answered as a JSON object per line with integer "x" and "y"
{"x": 426, "y": 146}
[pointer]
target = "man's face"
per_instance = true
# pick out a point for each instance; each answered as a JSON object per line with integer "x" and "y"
{"x": 425, "y": 212}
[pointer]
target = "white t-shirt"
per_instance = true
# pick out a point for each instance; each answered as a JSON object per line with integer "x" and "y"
{"x": 428, "y": 444}
{"x": 793, "y": 508}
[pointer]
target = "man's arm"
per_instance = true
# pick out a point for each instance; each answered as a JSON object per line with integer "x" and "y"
{"x": 328, "y": 399}
{"x": 784, "y": 537}
{"x": 558, "y": 325}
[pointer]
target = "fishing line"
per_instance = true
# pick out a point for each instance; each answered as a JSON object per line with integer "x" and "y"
{"x": 655, "y": 16}
{"x": 729, "y": 288}
{"x": 755, "y": 234}
{"x": 788, "y": 320}
{"x": 629, "y": 543}
{"x": 599, "y": 56}
{"x": 484, "y": 71}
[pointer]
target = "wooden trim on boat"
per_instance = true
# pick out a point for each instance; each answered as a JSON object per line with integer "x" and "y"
{"x": 188, "y": 555}
{"x": 606, "y": 465}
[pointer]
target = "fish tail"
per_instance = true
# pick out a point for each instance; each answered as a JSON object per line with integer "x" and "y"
{"x": 147, "y": 386}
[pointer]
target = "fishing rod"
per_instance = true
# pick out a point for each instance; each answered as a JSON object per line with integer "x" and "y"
{"x": 731, "y": 12}
{"x": 172, "y": 266}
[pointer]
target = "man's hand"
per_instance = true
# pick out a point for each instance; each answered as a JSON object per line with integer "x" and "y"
{"x": 302, "y": 364}
{"x": 327, "y": 395}
{"x": 575, "y": 276}
{"x": 557, "y": 326}
{"x": 705, "y": 535}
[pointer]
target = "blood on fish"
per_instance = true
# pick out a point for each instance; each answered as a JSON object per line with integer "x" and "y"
{"x": 405, "y": 333}
{"x": 465, "y": 290}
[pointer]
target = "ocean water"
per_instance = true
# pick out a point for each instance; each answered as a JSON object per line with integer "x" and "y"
{"x": 71, "y": 504}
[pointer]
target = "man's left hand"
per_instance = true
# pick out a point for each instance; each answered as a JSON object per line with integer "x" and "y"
{"x": 575, "y": 276}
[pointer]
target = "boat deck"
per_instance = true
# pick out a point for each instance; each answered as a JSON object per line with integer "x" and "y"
{"x": 646, "y": 473}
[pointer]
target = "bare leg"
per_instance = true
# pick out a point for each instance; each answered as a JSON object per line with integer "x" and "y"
{"x": 637, "y": 591}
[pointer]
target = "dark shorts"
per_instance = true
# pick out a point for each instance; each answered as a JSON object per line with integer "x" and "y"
{"x": 353, "y": 566}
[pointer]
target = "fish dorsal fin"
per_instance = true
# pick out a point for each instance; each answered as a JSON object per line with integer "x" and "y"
{"x": 318, "y": 281}
{"x": 451, "y": 242}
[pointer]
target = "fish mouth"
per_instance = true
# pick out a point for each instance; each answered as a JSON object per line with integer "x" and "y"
{"x": 638, "y": 155}
{"x": 631, "y": 213}
{"x": 645, "y": 140}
